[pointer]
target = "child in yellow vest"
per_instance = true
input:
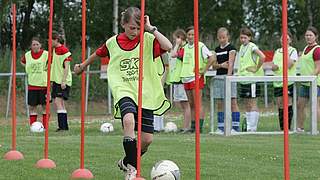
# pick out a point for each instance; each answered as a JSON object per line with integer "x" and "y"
{"x": 61, "y": 79}
{"x": 179, "y": 93}
{"x": 35, "y": 62}
{"x": 277, "y": 67}
{"x": 309, "y": 65}
{"x": 206, "y": 58}
{"x": 251, "y": 59}
{"x": 123, "y": 68}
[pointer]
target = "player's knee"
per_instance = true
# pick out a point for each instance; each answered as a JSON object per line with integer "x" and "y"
{"x": 147, "y": 141}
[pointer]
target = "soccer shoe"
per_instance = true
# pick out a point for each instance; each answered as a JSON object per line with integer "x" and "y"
{"x": 122, "y": 166}
{"x": 131, "y": 173}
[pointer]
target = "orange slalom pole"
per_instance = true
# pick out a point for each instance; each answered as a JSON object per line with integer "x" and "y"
{"x": 83, "y": 82}
{"x": 197, "y": 91}
{"x": 13, "y": 154}
{"x": 140, "y": 88}
{"x": 14, "y": 69}
{"x": 286, "y": 163}
{"x": 82, "y": 173}
{"x": 46, "y": 162}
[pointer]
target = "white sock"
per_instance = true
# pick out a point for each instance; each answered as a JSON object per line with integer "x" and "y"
{"x": 255, "y": 120}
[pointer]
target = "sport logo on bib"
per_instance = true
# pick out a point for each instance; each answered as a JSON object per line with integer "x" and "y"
{"x": 130, "y": 69}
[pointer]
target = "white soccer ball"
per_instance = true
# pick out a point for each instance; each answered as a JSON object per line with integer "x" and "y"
{"x": 37, "y": 127}
{"x": 165, "y": 170}
{"x": 106, "y": 127}
{"x": 170, "y": 127}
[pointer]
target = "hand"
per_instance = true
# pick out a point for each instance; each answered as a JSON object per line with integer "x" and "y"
{"x": 252, "y": 69}
{"x": 147, "y": 25}
{"x": 202, "y": 71}
{"x": 178, "y": 41}
{"x": 63, "y": 85}
{"x": 78, "y": 69}
{"x": 225, "y": 65}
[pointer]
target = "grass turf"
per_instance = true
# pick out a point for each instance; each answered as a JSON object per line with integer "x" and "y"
{"x": 236, "y": 157}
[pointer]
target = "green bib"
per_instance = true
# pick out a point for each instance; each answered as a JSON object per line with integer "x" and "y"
{"x": 278, "y": 60}
{"x": 36, "y": 69}
{"x": 187, "y": 69}
{"x": 123, "y": 76}
{"x": 57, "y": 68}
{"x": 307, "y": 65}
{"x": 246, "y": 60}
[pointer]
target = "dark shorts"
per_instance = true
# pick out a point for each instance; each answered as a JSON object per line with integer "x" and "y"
{"x": 127, "y": 105}
{"x": 249, "y": 90}
{"x": 58, "y": 92}
{"x": 37, "y": 97}
{"x": 278, "y": 91}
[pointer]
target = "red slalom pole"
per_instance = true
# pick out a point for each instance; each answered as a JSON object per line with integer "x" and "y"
{"x": 47, "y": 163}
{"x": 82, "y": 173}
{"x": 13, "y": 154}
{"x": 140, "y": 89}
{"x": 286, "y": 163}
{"x": 197, "y": 91}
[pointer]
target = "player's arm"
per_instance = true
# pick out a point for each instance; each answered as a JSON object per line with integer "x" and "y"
{"x": 232, "y": 57}
{"x": 164, "y": 42}
{"x": 262, "y": 58}
{"x": 100, "y": 52}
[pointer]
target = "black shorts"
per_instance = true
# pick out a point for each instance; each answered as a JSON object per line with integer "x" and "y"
{"x": 37, "y": 97}
{"x": 278, "y": 91}
{"x": 248, "y": 90}
{"x": 58, "y": 92}
{"x": 127, "y": 105}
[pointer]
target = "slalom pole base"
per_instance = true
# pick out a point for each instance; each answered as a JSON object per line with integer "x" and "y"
{"x": 82, "y": 174}
{"x": 139, "y": 178}
{"x": 13, "y": 155}
{"x": 45, "y": 164}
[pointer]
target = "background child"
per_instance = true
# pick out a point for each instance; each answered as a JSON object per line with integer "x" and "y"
{"x": 251, "y": 59}
{"x": 35, "y": 62}
{"x": 61, "y": 79}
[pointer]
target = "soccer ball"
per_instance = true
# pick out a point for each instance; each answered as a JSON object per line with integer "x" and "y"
{"x": 165, "y": 170}
{"x": 170, "y": 127}
{"x": 106, "y": 127}
{"x": 36, "y": 127}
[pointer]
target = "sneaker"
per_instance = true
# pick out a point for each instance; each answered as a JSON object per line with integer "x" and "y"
{"x": 300, "y": 130}
{"x": 219, "y": 131}
{"x": 131, "y": 173}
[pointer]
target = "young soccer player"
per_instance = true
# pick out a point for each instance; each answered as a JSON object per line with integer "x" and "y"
{"x": 309, "y": 65}
{"x": 61, "y": 79}
{"x": 123, "y": 50}
{"x": 226, "y": 54}
{"x": 277, "y": 67}
{"x": 179, "y": 93}
{"x": 35, "y": 62}
{"x": 206, "y": 58}
{"x": 251, "y": 59}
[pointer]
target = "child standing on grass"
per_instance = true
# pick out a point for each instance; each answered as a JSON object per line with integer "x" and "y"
{"x": 123, "y": 51}
{"x": 309, "y": 65}
{"x": 61, "y": 79}
{"x": 277, "y": 67}
{"x": 251, "y": 59}
{"x": 179, "y": 93}
{"x": 35, "y": 62}
{"x": 226, "y": 54}
{"x": 206, "y": 58}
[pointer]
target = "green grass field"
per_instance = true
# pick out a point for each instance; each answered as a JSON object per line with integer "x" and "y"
{"x": 236, "y": 157}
